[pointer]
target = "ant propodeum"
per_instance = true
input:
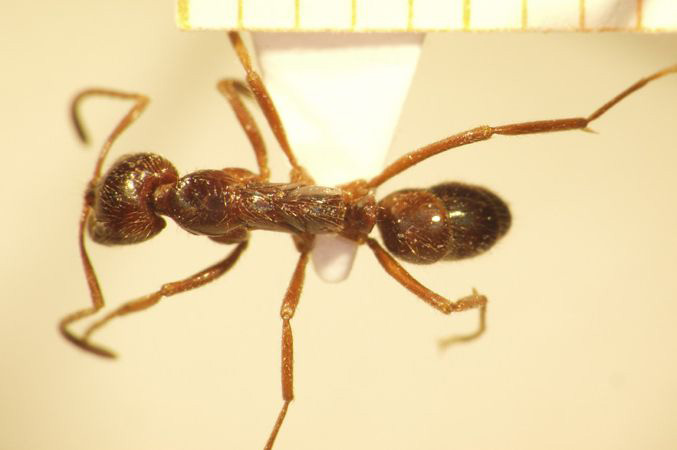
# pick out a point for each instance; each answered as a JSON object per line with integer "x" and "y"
{"x": 446, "y": 222}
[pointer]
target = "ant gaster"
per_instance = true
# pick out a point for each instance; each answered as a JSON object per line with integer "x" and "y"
{"x": 446, "y": 222}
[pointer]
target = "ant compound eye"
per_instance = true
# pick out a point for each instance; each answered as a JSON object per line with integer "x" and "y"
{"x": 477, "y": 217}
{"x": 414, "y": 225}
{"x": 123, "y": 207}
{"x": 449, "y": 221}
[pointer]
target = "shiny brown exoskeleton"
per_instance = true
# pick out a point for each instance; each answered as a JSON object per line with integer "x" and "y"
{"x": 448, "y": 221}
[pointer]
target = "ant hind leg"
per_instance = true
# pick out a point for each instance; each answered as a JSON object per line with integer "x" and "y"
{"x": 444, "y": 305}
{"x": 447, "y": 342}
{"x": 482, "y": 133}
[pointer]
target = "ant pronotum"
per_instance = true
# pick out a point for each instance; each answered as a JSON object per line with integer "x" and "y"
{"x": 446, "y": 222}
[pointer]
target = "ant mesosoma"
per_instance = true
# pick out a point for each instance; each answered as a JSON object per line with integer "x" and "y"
{"x": 446, "y": 222}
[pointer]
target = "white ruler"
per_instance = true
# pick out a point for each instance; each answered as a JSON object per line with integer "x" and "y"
{"x": 429, "y": 15}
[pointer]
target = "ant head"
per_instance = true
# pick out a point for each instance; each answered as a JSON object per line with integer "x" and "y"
{"x": 122, "y": 200}
{"x": 449, "y": 221}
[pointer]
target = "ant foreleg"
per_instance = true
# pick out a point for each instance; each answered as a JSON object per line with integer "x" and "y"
{"x": 289, "y": 304}
{"x": 199, "y": 279}
{"x": 231, "y": 90}
{"x": 483, "y": 133}
{"x": 262, "y": 96}
{"x": 445, "y": 306}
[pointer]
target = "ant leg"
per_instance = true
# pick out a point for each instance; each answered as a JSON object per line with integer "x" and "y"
{"x": 194, "y": 281}
{"x": 445, "y": 306}
{"x": 231, "y": 89}
{"x": 457, "y": 339}
{"x": 94, "y": 289}
{"x": 289, "y": 304}
{"x": 267, "y": 106}
{"x": 483, "y": 133}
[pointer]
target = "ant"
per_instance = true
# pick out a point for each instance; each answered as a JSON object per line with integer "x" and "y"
{"x": 449, "y": 221}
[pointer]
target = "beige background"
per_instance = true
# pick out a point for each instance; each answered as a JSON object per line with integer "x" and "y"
{"x": 581, "y": 350}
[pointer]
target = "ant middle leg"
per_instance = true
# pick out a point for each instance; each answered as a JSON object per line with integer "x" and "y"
{"x": 442, "y": 304}
{"x": 298, "y": 173}
{"x": 289, "y": 304}
{"x": 201, "y": 278}
{"x": 231, "y": 90}
{"x": 483, "y": 133}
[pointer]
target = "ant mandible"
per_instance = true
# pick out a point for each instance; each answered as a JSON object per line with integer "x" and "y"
{"x": 449, "y": 221}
